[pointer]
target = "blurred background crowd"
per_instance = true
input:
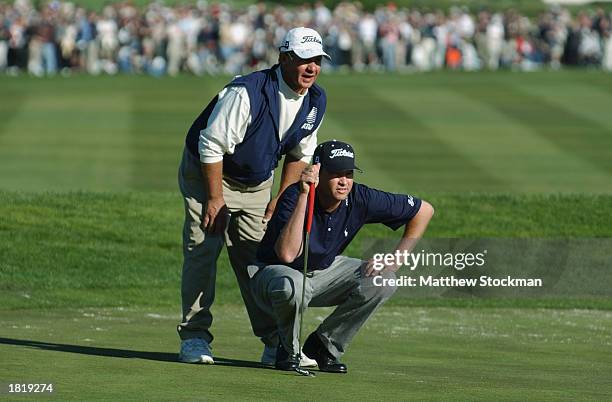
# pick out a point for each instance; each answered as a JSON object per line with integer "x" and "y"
{"x": 214, "y": 38}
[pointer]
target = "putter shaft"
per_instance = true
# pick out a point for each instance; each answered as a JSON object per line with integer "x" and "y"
{"x": 309, "y": 214}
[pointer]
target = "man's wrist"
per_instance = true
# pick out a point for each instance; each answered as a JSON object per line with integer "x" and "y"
{"x": 216, "y": 199}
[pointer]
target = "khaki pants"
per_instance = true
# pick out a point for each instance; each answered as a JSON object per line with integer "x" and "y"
{"x": 278, "y": 290}
{"x": 201, "y": 250}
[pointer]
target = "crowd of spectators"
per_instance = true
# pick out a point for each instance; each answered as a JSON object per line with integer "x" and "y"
{"x": 213, "y": 38}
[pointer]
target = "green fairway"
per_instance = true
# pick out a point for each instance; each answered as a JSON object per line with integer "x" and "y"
{"x": 401, "y": 354}
{"x": 91, "y": 216}
{"x": 438, "y": 132}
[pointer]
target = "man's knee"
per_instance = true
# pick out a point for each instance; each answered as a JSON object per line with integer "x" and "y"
{"x": 378, "y": 293}
{"x": 281, "y": 290}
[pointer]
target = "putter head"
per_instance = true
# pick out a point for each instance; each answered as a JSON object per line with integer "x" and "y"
{"x": 304, "y": 372}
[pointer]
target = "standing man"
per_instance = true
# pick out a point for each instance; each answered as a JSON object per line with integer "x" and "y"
{"x": 341, "y": 208}
{"x": 226, "y": 176}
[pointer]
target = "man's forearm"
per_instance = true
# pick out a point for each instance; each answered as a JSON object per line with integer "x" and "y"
{"x": 415, "y": 229}
{"x": 213, "y": 179}
{"x": 292, "y": 169}
{"x": 288, "y": 246}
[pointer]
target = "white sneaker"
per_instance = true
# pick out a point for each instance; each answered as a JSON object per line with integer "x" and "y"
{"x": 268, "y": 358}
{"x": 306, "y": 361}
{"x": 195, "y": 350}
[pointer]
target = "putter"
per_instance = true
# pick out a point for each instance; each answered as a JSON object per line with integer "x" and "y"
{"x": 309, "y": 213}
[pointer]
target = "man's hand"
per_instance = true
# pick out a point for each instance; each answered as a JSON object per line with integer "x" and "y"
{"x": 309, "y": 175}
{"x": 270, "y": 210}
{"x": 216, "y": 216}
{"x": 369, "y": 269}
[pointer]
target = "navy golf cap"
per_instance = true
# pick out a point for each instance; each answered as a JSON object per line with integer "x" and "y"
{"x": 335, "y": 156}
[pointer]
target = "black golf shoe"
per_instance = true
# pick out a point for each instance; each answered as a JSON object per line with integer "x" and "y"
{"x": 286, "y": 361}
{"x": 314, "y": 348}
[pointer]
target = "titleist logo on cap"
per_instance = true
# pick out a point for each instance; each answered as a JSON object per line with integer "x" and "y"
{"x": 309, "y": 38}
{"x": 341, "y": 152}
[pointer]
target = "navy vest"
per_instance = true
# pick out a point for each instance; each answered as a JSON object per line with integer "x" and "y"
{"x": 256, "y": 157}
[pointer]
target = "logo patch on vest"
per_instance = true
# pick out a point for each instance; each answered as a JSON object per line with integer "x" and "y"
{"x": 310, "y": 119}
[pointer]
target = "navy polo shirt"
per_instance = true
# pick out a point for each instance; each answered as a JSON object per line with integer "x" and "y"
{"x": 332, "y": 232}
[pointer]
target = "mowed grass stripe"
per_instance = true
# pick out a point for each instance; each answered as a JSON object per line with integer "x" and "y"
{"x": 401, "y": 143}
{"x": 11, "y": 101}
{"x": 505, "y": 148}
{"x": 48, "y": 149}
{"x": 60, "y": 141}
{"x": 160, "y": 116}
{"x": 374, "y": 174}
{"x": 589, "y": 101}
{"x": 598, "y": 79}
{"x": 571, "y": 132}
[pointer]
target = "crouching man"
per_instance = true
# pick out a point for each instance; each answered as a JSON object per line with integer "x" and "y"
{"x": 341, "y": 208}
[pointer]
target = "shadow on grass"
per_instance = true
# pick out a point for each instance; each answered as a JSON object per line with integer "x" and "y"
{"x": 123, "y": 353}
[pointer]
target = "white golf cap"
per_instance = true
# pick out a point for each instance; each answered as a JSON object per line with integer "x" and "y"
{"x": 304, "y": 42}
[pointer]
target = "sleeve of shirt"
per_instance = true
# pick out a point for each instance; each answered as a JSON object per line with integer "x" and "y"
{"x": 305, "y": 149}
{"x": 392, "y": 210}
{"x": 226, "y": 126}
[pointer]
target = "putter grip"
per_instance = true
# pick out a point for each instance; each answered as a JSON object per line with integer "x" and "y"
{"x": 310, "y": 207}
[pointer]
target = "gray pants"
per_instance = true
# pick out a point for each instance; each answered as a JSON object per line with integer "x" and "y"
{"x": 278, "y": 290}
{"x": 201, "y": 250}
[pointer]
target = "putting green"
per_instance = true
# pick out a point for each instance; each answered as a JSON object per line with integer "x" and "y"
{"x": 401, "y": 354}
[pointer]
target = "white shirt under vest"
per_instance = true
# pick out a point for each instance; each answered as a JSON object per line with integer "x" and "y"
{"x": 228, "y": 122}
